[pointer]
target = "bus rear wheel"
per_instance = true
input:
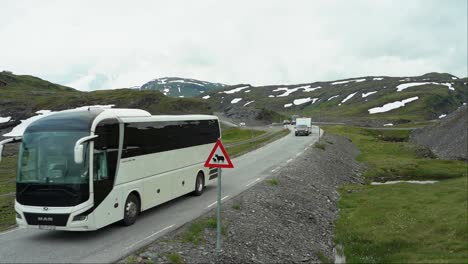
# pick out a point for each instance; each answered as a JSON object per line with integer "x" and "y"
{"x": 199, "y": 184}
{"x": 131, "y": 210}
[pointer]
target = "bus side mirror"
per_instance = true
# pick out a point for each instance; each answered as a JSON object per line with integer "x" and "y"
{"x": 79, "y": 154}
{"x": 79, "y": 149}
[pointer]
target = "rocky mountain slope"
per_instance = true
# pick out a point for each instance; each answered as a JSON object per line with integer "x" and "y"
{"x": 365, "y": 100}
{"x": 181, "y": 87}
{"x": 448, "y": 138}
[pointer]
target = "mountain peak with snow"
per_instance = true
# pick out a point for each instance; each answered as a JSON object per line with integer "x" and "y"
{"x": 181, "y": 87}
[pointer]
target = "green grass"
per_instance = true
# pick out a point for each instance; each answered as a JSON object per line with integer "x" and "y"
{"x": 234, "y": 134}
{"x": 402, "y": 223}
{"x": 194, "y": 233}
{"x": 7, "y": 185}
{"x": 236, "y": 206}
{"x": 249, "y": 146}
{"x": 390, "y": 157}
{"x": 273, "y": 181}
{"x": 175, "y": 258}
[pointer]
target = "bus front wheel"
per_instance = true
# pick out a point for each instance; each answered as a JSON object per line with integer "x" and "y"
{"x": 199, "y": 184}
{"x": 131, "y": 210}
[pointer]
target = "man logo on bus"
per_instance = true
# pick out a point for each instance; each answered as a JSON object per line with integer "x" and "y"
{"x": 218, "y": 158}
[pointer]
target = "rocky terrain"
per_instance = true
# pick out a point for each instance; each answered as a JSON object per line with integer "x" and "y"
{"x": 285, "y": 219}
{"x": 448, "y": 138}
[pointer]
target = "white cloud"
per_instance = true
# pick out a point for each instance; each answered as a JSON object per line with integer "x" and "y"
{"x": 112, "y": 44}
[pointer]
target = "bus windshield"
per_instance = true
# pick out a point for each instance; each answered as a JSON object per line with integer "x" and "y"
{"x": 48, "y": 157}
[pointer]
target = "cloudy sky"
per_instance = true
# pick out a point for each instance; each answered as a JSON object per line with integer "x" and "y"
{"x": 110, "y": 44}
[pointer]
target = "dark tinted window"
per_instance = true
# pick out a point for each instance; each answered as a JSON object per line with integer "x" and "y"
{"x": 152, "y": 137}
{"x": 106, "y": 146}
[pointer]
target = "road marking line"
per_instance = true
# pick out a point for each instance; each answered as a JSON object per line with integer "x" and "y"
{"x": 211, "y": 205}
{"x": 298, "y": 154}
{"x": 10, "y": 231}
{"x": 149, "y": 237}
{"x": 276, "y": 169}
{"x": 217, "y": 201}
{"x": 289, "y": 160}
{"x": 252, "y": 182}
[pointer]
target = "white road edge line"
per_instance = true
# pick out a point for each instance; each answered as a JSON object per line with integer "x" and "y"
{"x": 252, "y": 182}
{"x": 136, "y": 243}
{"x": 298, "y": 154}
{"x": 276, "y": 169}
{"x": 217, "y": 201}
{"x": 289, "y": 160}
{"x": 10, "y": 231}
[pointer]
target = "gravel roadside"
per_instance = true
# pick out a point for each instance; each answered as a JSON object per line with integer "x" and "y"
{"x": 287, "y": 218}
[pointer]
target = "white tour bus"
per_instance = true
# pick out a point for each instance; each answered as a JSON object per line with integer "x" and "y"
{"x": 84, "y": 169}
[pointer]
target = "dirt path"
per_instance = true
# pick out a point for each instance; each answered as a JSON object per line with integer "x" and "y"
{"x": 288, "y": 218}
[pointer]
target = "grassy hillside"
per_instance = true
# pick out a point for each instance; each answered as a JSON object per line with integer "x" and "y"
{"x": 403, "y": 222}
{"x": 326, "y": 100}
{"x": 23, "y": 95}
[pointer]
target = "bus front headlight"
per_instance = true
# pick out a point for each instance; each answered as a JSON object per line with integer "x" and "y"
{"x": 79, "y": 218}
{"x": 18, "y": 215}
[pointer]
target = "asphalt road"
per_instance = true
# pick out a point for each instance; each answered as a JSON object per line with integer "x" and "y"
{"x": 114, "y": 242}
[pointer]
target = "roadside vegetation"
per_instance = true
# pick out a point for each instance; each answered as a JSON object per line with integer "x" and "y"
{"x": 237, "y": 148}
{"x": 7, "y": 190}
{"x": 402, "y": 222}
{"x": 234, "y": 134}
{"x": 273, "y": 181}
{"x": 194, "y": 233}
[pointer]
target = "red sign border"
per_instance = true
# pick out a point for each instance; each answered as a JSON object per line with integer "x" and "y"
{"x": 228, "y": 159}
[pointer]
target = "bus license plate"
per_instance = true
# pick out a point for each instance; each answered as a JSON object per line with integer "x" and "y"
{"x": 47, "y": 227}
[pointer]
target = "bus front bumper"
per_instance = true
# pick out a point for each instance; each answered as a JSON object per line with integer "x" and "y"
{"x": 52, "y": 218}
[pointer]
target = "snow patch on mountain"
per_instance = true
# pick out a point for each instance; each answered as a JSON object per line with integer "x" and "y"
{"x": 249, "y": 102}
{"x": 287, "y": 105}
{"x": 333, "y": 97}
{"x": 377, "y": 79}
{"x": 236, "y": 90}
{"x": 235, "y": 100}
{"x": 391, "y": 106}
{"x": 348, "y": 81}
{"x": 304, "y": 100}
{"x": 5, "y": 119}
{"x": 206, "y": 97}
{"x": 404, "y": 86}
{"x": 348, "y": 97}
{"x": 367, "y": 94}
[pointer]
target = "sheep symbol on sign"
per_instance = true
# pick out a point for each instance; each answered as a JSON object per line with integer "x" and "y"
{"x": 218, "y": 158}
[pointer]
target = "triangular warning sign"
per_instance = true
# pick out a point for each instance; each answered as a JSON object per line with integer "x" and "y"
{"x": 218, "y": 157}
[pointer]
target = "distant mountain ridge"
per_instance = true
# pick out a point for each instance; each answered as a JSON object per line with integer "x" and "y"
{"x": 384, "y": 99}
{"x": 181, "y": 87}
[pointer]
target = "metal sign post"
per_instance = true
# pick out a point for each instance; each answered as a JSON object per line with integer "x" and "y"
{"x": 218, "y": 158}
{"x": 218, "y": 217}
